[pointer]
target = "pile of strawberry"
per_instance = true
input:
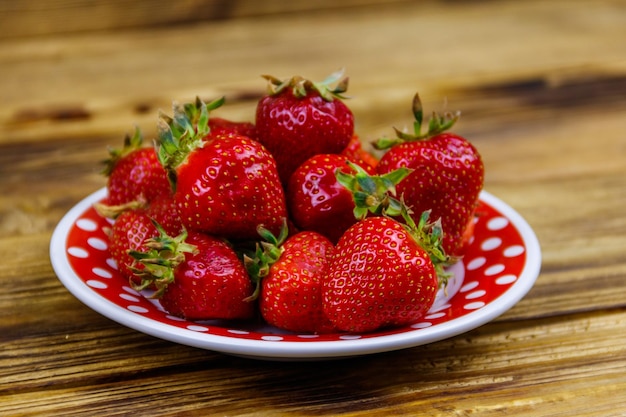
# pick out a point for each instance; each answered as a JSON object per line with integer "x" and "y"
{"x": 288, "y": 219}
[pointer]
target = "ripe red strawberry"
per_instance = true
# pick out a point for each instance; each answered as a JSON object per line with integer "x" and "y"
{"x": 379, "y": 276}
{"x": 223, "y": 127}
{"x": 317, "y": 201}
{"x": 197, "y": 277}
{"x": 447, "y": 178}
{"x": 223, "y": 185}
{"x": 133, "y": 225}
{"x": 300, "y": 118}
{"x": 134, "y": 173}
{"x": 291, "y": 293}
{"x": 357, "y": 154}
{"x": 129, "y": 232}
{"x": 164, "y": 211}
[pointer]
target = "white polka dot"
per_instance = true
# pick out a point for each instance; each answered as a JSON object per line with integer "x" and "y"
{"x": 197, "y": 328}
{"x": 235, "y": 331}
{"x": 435, "y": 316}
{"x": 129, "y": 297}
{"x": 350, "y": 337}
{"x": 137, "y": 309}
{"x": 421, "y": 325}
{"x": 97, "y": 284}
{"x": 512, "y": 251}
{"x": 494, "y": 269}
{"x": 130, "y": 290}
{"x": 86, "y": 225}
{"x": 506, "y": 279}
{"x": 175, "y": 318}
{"x": 149, "y": 294}
{"x": 476, "y": 263}
{"x": 272, "y": 338}
{"x": 437, "y": 308}
{"x": 77, "y": 252}
{"x": 96, "y": 243}
{"x": 469, "y": 286}
{"x": 101, "y": 272}
{"x": 474, "y": 306}
{"x": 475, "y": 294}
{"x": 308, "y": 336}
{"x": 497, "y": 223}
{"x": 491, "y": 243}
{"x": 111, "y": 262}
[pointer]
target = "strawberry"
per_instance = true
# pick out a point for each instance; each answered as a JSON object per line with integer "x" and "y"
{"x": 300, "y": 118}
{"x": 131, "y": 229}
{"x": 196, "y": 276}
{"x": 447, "y": 178}
{"x": 223, "y": 127}
{"x": 133, "y": 225}
{"x": 134, "y": 173}
{"x": 378, "y": 277}
{"x": 223, "y": 185}
{"x": 317, "y": 201}
{"x": 383, "y": 272}
{"x": 291, "y": 293}
{"x": 360, "y": 156}
{"x": 164, "y": 211}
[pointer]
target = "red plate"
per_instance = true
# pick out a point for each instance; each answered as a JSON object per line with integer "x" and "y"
{"x": 501, "y": 265}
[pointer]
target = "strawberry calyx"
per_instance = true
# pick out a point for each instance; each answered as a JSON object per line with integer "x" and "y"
{"x": 301, "y": 87}
{"x": 438, "y": 123}
{"x": 164, "y": 255}
{"x": 184, "y": 132}
{"x": 112, "y": 211}
{"x": 266, "y": 253}
{"x": 131, "y": 143}
{"x": 429, "y": 235}
{"x": 373, "y": 194}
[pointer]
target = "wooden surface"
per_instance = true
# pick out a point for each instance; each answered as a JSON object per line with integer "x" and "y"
{"x": 542, "y": 88}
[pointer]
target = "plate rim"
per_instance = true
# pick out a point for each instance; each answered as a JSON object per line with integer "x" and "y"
{"x": 297, "y": 350}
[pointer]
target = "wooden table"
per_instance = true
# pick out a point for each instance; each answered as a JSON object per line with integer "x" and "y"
{"x": 542, "y": 89}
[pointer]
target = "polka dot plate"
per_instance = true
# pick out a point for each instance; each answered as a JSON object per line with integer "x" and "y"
{"x": 500, "y": 267}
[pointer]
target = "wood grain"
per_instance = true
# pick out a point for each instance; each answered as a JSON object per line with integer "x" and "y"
{"x": 542, "y": 90}
{"x": 539, "y": 362}
{"x": 37, "y": 17}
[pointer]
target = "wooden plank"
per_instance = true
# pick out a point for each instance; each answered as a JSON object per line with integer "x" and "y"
{"x": 534, "y": 364}
{"x": 50, "y": 85}
{"x": 41, "y": 17}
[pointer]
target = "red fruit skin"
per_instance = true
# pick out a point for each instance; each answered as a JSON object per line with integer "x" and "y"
{"x": 228, "y": 187}
{"x": 294, "y": 129}
{"x": 378, "y": 277}
{"x": 447, "y": 179}
{"x": 129, "y": 232}
{"x": 224, "y": 127}
{"x": 211, "y": 284}
{"x": 355, "y": 153}
{"x": 164, "y": 211}
{"x": 317, "y": 201}
{"x": 291, "y": 295}
{"x": 138, "y": 176}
